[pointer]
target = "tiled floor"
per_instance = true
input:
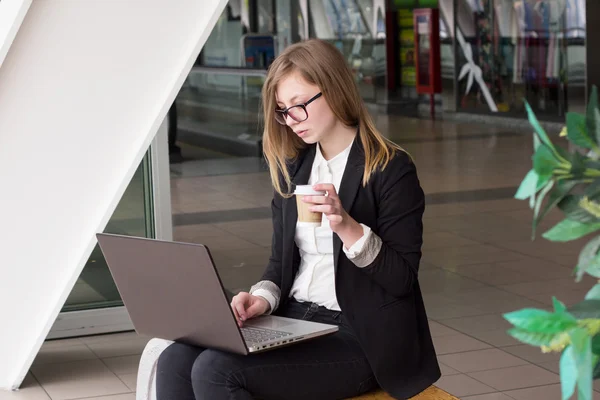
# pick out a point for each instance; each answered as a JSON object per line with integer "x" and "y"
{"x": 478, "y": 263}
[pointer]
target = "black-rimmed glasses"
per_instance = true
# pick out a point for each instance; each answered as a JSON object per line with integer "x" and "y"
{"x": 298, "y": 112}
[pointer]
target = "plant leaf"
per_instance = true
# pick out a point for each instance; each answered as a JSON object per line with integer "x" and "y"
{"x": 596, "y": 373}
{"x": 559, "y": 306}
{"x": 582, "y": 350}
{"x": 528, "y": 187}
{"x": 538, "y": 128}
{"x": 567, "y": 230}
{"x": 573, "y": 211}
{"x": 544, "y": 161}
{"x": 538, "y": 204}
{"x": 568, "y": 373}
{"x": 532, "y": 338}
{"x": 541, "y": 321}
{"x": 559, "y": 191}
{"x": 594, "y": 293}
{"x": 592, "y": 115}
{"x": 577, "y": 132}
{"x": 596, "y": 344}
{"x": 588, "y": 261}
{"x": 586, "y": 309}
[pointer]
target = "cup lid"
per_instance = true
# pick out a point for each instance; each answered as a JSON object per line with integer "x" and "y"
{"x": 307, "y": 190}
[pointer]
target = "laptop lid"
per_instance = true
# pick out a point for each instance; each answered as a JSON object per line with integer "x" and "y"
{"x": 172, "y": 291}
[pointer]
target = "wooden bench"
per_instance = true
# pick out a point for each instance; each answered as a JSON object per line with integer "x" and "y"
{"x": 431, "y": 393}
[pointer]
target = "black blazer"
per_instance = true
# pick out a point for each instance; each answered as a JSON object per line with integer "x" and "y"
{"x": 382, "y": 302}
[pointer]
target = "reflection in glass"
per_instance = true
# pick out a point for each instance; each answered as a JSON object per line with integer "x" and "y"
{"x": 95, "y": 287}
{"x": 352, "y": 28}
{"x": 520, "y": 49}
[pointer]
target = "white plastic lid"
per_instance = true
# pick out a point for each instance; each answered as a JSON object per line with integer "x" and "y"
{"x": 307, "y": 190}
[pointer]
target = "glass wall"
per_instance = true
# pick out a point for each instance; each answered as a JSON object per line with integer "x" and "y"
{"x": 357, "y": 29}
{"x": 513, "y": 50}
{"x": 133, "y": 216}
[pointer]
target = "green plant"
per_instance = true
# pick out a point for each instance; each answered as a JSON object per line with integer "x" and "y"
{"x": 569, "y": 180}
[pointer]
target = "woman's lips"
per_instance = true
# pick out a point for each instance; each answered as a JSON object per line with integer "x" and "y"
{"x": 301, "y": 133}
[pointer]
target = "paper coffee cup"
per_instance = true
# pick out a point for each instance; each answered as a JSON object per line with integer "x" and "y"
{"x": 304, "y": 214}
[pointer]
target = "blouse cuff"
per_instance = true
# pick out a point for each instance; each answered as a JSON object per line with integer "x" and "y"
{"x": 365, "y": 250}
{"x": 268, "y": 291}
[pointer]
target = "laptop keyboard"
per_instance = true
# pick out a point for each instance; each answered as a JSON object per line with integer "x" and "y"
{"x": 260, "y": 335}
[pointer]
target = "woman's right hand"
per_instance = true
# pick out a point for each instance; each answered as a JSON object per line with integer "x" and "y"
{"x": 246, "y": 306}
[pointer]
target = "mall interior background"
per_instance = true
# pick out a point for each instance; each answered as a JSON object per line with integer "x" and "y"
{"x": 478, "y": 257}
{"x": 521, "y": 49}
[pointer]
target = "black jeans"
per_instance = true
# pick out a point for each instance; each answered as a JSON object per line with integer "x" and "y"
{"x": 329, "y": 367}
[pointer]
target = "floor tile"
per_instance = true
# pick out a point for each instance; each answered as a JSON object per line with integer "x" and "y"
{"x": 489, "y": 396}
{"x": 130, "y": 380}
{"x": 446, "y": 370}
{"x": 481, "y": 323}
{"x": 62, "y": 354}
{"x": 123, "y": 365}
{"x": 531, "y": 353}
{"x": 438, "y": 329}
{"x": 78, "y": 379}
{"x": 462, "y": 385}
{"x": 127, "y": 396}
{"x": 553, "y": 366}
{"x": 29, "y": 390}
{"x": 516, "y": 377}
{"x": 547, "y": 392}
{"x": 481, "y": 360}
{"x": 119, "y": 348}
{"x": 61, "y": 343}
{"x": 496, "y": 337}
{"x": 109, "y": 338}
{"x": 457, "y": 344}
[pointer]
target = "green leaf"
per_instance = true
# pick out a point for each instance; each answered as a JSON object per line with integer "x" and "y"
{"x": 594, "y": 293}
{"x": 589, "y": 261}
{"x": 532, "y": 338}
{"x": 568, "y": 373}
{"x": 577, "y": 132}
{"x": 559, "y": 191}
{"x": 596, "y": 344}
{"x": 538, "y": 205}
{"x": 578, "y": 163}
{"x": 540, "y": 321}
{"x": 586, "y": 309}
{"x": 582, "y": 350}
{"x": 568, "y": 229}
{"x": 538, "y": 128}
{"x": 528, "y": 187}
{"x": 545, "y": 161}
{"x": 596, "y": 373}
{"x": 573, "y": 211}
{"x": 593, "y": 190}
{"x": 559, "y": 306}
{"x": 592, "y": 116}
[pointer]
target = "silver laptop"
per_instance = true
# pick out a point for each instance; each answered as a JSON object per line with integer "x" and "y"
{"x": 173, "y": 291}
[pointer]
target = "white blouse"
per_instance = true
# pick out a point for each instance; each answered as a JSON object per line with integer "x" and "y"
{"x": 315, "y": 281}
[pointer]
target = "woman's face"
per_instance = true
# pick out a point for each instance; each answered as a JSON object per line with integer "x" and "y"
{"x": 293, "y": 90}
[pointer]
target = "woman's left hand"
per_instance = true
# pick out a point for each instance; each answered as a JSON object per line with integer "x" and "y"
{"x": 331, "y": 206}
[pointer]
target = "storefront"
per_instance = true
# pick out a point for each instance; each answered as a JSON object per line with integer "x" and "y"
{"x": 497, "y": 53}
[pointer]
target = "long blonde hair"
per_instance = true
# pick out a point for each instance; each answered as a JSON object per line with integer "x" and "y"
{"x": 321, "y": 64}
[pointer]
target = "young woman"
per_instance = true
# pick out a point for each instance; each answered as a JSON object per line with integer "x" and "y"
{"x": 358, "y": 270}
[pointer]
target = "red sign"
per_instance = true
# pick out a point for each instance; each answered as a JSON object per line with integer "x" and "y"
{"x": 427, "y": 50}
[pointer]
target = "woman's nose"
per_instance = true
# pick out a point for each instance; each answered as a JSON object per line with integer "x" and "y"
{"x": 289, "y": 120}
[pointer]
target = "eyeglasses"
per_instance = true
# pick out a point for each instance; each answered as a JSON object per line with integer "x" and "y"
{"x": 298, "y": 112}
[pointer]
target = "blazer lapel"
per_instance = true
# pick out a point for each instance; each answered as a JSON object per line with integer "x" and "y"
{"x": 351, "y": 181}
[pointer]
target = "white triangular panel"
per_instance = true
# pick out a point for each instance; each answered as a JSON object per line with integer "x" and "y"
{"x": 12, "y": 13}
{"x": 83, "y": 90}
